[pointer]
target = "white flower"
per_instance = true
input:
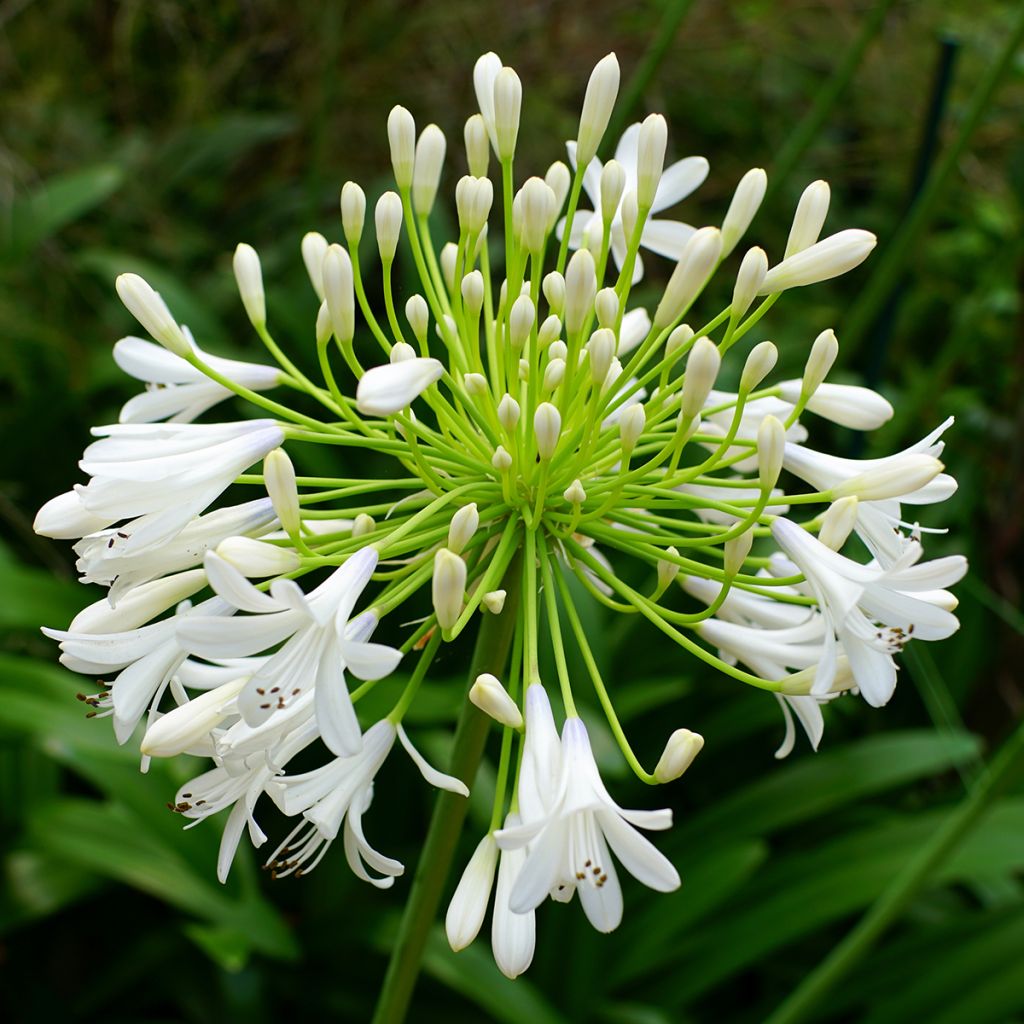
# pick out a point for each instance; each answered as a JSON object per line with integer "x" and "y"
{"x": 468, "y": 905}
{"x": 513, "y": 936}
{"x": 176, "y": 390}
{"x": 389, "y": 388}
{"x": 665, "y": 237}
{"x": 852, "y": 597}
{"x": 167, "y": 473}
{"x": 316, "y": 649}
{"x": 569, "y": 842}
{"x": 846, "y": 404}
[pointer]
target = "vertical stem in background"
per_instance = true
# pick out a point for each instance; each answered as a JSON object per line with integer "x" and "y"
{"x": 886, "y": 273}
{"x": 905, "y": 886}
{"x": 489, "y": 655}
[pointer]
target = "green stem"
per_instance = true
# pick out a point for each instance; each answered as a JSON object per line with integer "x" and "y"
{"x": 491, "y": 651}
{"x": 919, "y": 867}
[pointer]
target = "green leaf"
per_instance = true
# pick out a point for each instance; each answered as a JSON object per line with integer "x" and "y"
{"x": 39, "y": 884}
{"x": 42, "y": 598}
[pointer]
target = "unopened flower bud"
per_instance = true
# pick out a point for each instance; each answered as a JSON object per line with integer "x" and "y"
{"x": 353, "y": 213}
{"x": 759, "y": 364}
{"x": 468, "y": 907}
{"x": 524, "y": 369}
{"x": 387, "y": 216}
{"x": 448, "y": 588}
{"x": 602, "y": 89}
{"x": 613, "y": 184}
{"x": 508, "y": 413}
{"x": 682, "y": 747}
{"x": 314, "y": 248}
{"x": 549, "y": 331}
{"x": 475, "y": 384}
{"x": 606, "y": 305}
{"x": 692, "y": 272}
{"x": 186, "y": 726}
{"x": 249, "y": 279}
{"x": 547, "y": 428}
{"x": 501, "y": 460}
{"x": 819, "y": 362}
{"x": 418, "y": 314}
{"x": 702, "y": 367}
{"x": 735, "y": 552}
{"x": 631, "y": 426}
{"x": 363, "y": 525}
{"x": 748, "y": 280}
{"x": 558, "y": 180}
{"x": 746, "y": 201}
{"x": 580, "y": 289}
{"x": 151, "y": 311}
{"x": 339, "y": 294}
{"x": 279, "y": 479}
{"x": 537, "y": 201}
{"x": 387, "y": 389}
{"x": 492, "y": 699}
{"x": 473, "y": 198}
{"x": 401, "y": 352}
{"x": 679, "y": 338}
{"x": 473, "y": 291}
{"x": 846, "y": 404}
{"x": 257, "y": 558}
{"x": 324, "y": 327}
{"x": 824, "y": 260}
{"x": 601, "y": 349}
{"x": 809, "y": 219}
{"x": 478, "y": 149}
{"x": 574, "y": 493}
{"x": 402, "y": 139}
{"x": 553, "y": 287}
{"x": 629, "y": 213}
{"x": 520, "y": 321}
{"x": 494, "y": 601}
{"x": 650, "y": 159}
{"x": 430, "y": 150}
{"x": 508, "y": 101}
{"x": 771, "y": 449}
{"x": 838, "y": 522}
{"x": 667, "y": 570}
{"x": 463, "y": 525}
{"x": 558, "y": 350}
{"x": 553, "y": 374}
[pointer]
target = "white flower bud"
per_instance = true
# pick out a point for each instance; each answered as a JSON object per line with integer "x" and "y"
{"x": 508, "y": 101}
{"x": 524, "y": 369}
{"x": 748, "y": 280}
{"x": 430, "y": 150}
{"x": 324, "y": 327}
{"x": 463, "y": 525}
{"x": 537, "y": 201}
{"x": 402, "y": 139}
{"x": 553, "y": 374}
{"x": 478, "y": 150}
{"x": 606, "y": 305}
{"x": 249, "y": 279}
{"x": 574, "y": 493}
{"x": 650, "y": 159}
{"x": 473, "y": 291}
{"x": 520, "y": 321}
{"x": 602, "y": 89}
{"x": 613, "y": 184}
{"x": 501, "y": 460}
{"x": 558, "y": 350}
{"x": 485, "y": 72}
{"x": 547, "y": 428}
{"x": 667, "y": 570}
{"x": 682, "y": 747}
{"x": 492, "y": 699}
{"x": 759, "y": 364}
{"x": 387, "y": 389}
{"x": 314, "y": 248}
{"x": 819, "y": 362}
{"x": 631, "y": 426}
{"x": 901, "y": 475}
{"x": 553, "y": 287}
{"x": 735, "y": 552}
{"x": 809, "y": 219}
{"x": 448, "y": 587}
{"x": 846, "y": 404}
{"x": 771, "y": 449}
{"x": 279, "y": 479}
{"x": 473, "y": 198}
{"x": 449, "y": 257}
{"x": 188, "y": 725}
{"x": 401, "y": 352}
{"x": 746, "y": 201}
{"x": 494, "y": 601}
{"x": 339, "y": 294}
{"x": 257, "y": 558}
{"x": 353, "y": 212}
{"x": 388, "y": 219}
{"x": 363, "y": 525}
{"x": 468, "y": 907}
{"x": 549, "y": 331}
{"x": 702, "y": 365}
{"x": 681, "y": 336}
{"x": 508, "y": 413}
{"x": 838, "y": 522}
{"x": 418, "y": 314}
{"x": 151, "y": 311}
{"x": 558, "y": 179}
{"x": 828, "y": 258}
{"x": 629, "y": 213}
{"x": 475, "y": 384}
{"x": 580, "y": 289}
{"x": 601, "y": 349}
{"x": 692, "y": 272}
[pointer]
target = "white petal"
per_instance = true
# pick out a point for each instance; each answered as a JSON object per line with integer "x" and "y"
{"x": 680, "y": 180}
{"x": 638, "y": 855}
{"x": 230, "y": 584}
{"x": 335, "y": 715}
{"x": 432, "y": 775}
{"x": 667, "y": 238}
{"x": 369, "y": 661}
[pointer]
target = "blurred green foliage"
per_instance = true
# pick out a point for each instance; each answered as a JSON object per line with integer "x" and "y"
{"x": 152, "y": 136}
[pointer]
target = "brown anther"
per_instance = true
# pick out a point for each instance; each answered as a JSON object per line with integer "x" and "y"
{"x": 264, "y": 707}
{"x": 274, "y": 689}
{"x": 91, "y": 714}
{"x": 260, "y": 690}
{"x": 588, "y": 863}
{"x": 296, "y": 691}
{"x": 80, "y": 696}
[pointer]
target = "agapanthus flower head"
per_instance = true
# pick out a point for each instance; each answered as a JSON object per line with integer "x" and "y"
{"x": 536, "y": 424}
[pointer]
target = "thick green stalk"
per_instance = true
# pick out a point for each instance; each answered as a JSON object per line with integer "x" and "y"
{"x": 904, "y": 887}
{"x": 490, "y": 654}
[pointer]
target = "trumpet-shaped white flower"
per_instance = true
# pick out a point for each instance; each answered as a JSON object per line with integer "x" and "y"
{"x": 176, "y": 390}
{"x": 664, "y": 237}
{"x": 316, "y": 649}
{"x": 570, "y": 840}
